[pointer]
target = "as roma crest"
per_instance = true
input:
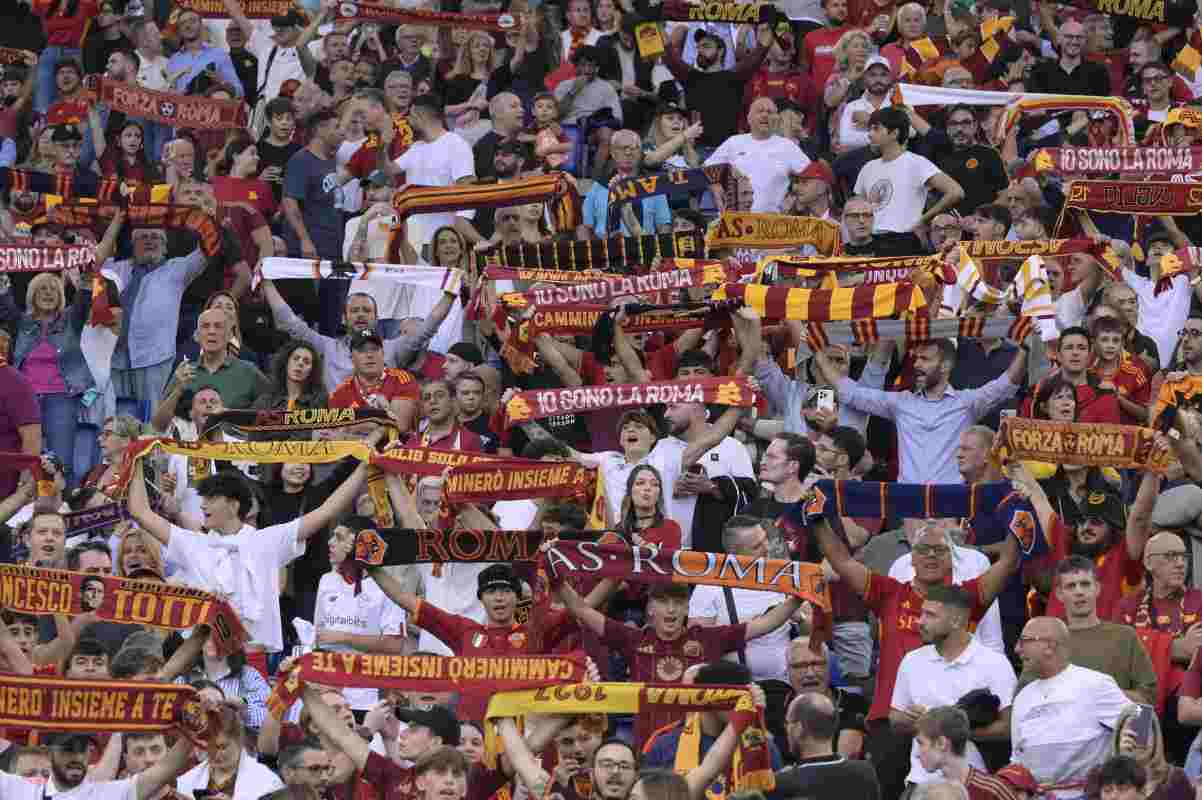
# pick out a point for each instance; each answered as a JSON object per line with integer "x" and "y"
{"x": 1022, "y": 525}
{"x": 370, "y": 548}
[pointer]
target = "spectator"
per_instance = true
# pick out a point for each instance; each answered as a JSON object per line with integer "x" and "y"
{"x": 1070, "y": 72}
{"x": 1164, "y": 780}
{"x": 976, "y": 167}
{"x": 1061, "y": 722}
{"x": 810, "y": 674}
{"x": 942, "y": 739}
{"x": 767, "y": 159}
{"x": 68, "y": 771}
{"x": 818, "y": 51}
{"x": 849, "y": 115}
{"x": 194, "y": 56}
{"x": 374, "y": 385}
{"x": 656, "y": 217}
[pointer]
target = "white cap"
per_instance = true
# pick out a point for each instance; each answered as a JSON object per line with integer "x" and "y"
{"x": 874, "y": 61}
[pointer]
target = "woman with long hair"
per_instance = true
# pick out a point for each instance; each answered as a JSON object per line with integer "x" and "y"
{"x": 296, "y": 374}
{"x": 47, "y": 352}
{"x": 1165, "y": 781}
{"x": 128, "y": 160}
{"x": 238, "y": 681}
{"x": 139, "y": 552}
{"x": 465, "y": 88}
{"x": 643, "y": 519}
{"x": 671, "y": 141}
{"x": 846, "y": 82}
{"x": 1067, "y": 485}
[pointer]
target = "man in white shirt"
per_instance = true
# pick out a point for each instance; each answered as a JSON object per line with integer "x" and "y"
{"x": 279, "y": 57}
{"x": 950, "y": 665}
{"x": 69, "y": 769}
{"x": 853, "y": 121}
{"x": 439, "y": 158}
{"x": 1062, "y": 724}
{"x": 769, "y": 161}
{"x": 710, "y": 605}
{"x": 231, "y": 558}
{"x": 897, "y": 184}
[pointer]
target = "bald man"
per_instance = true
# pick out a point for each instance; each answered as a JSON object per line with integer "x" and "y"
{"x": 1061, "y": 724}
{"x": 1072, "y": 73}
{"x": 812, "y": 721}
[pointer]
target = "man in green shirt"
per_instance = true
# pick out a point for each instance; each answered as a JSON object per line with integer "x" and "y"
{"x": 1106, "y": 647}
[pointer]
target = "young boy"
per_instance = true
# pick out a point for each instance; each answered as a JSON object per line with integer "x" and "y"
{"x": 1116, "y": 370}
{"x": 551, "y": 144}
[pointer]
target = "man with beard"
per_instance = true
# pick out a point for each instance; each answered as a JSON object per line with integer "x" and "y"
{"x": 509, "y": 160}
{"x": 152, "y": 291}
{"x": 852, "y": 132}
{"x": 507, "y": 115}
{"x": 932, "y": 416}
{"x": 121, "y": 66}
{"x": 498, "y": 590}
{"x": 976, "y": 167}
{"x": 306, "y": 765}
{"x": 440, "y": 429}
{"x": 713, "y": 91}
{"x": 822, "y": 773}
{"x": 1110, "y": 648}
{"x": 950, "y": 665}
{"x": 810, "y": 673}
{"x": 669, "y": 645}
{"x": 69, "y": 769}
{"x": 1071, "y": 73}
{"x": 194, "y": 56}
{"x": 1097, "y": 532}
{"x": 897, "y": 605}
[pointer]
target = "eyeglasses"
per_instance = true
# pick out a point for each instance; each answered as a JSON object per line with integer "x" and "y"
{"x": 931, "y": 549}
{"x": 811, "y": 666}
{"x": 1026, "y": 640}
{"x": 616, "y": 766}
{"x": 1173, "y": 555}
{"x": 1189, "y": 333}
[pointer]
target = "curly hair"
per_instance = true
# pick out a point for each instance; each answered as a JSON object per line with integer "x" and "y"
{"x": 840, "y": 51}
{"x": 314, "y": 384}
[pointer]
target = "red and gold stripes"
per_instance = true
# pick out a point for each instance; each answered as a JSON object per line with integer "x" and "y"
{"x": 820, "y": 305}
{"x": 538, "y": 189}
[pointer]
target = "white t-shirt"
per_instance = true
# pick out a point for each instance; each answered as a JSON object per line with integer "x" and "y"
{"x": 246, "y": 567}
{"x": 765, "y": 655}
{"x": 441, "y": 162}
{"x": 615, "y": 472}
{"x": 13, "y": 787}
{"x": 767, "y": 163}
{"x": 152, "y": 74}
{"x": 1062, "y": 726}
{"x": 927, "y": 679}
{"x": 285, "y": 66}
{"x": 1070, "y": 309}
{"x": 897, "y": 190}
{"x": 454, "y": 591}
{"x": 966, "y": 565}
{"x": 369, "y": 613}
{"x": 1161, "y": 315}
{"x": 729, "y": 459}
{"x": 851, "y": 137}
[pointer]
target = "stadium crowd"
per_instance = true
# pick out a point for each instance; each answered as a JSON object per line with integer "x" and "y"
{"x": 226, "y": 169}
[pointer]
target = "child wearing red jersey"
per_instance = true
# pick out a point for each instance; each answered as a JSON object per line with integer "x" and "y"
{"x": 1118, "y": 372}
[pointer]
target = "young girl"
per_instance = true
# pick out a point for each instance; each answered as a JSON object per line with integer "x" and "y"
{"x": 551, "y": 144}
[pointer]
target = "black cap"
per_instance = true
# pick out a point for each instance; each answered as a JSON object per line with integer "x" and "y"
{"x": 468, "y": 352}
{"x": 591, "y": 52}
{"x": 361, "y": 338}
{"x": 511, "y": 146}
{"x": 289, "y": 20}
{"x": 1106, "y": 506}
{"x": 706, "y": 33}
{"x": 66, "y": 133}
{"x": 671, "y": 107}
{"x": 438, "y": 719}
{"x": 70, "y": 740}
{"x": 497, "y": 576}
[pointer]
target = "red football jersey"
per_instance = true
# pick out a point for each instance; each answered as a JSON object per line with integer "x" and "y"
{"x": 1119, "y": 574}
{"x": 397, "y": 383}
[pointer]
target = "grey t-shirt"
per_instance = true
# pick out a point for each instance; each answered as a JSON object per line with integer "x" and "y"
{"x": 312, "y": 183}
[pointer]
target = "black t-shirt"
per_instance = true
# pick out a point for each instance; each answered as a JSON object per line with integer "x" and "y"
{"x": 213, "y": 277}
{"x": 481, "y": 428}
{"x": 567, "y": 428}
{"x": 271, "y": 155}
{"x": 979, "y": 169}
{"x": 832, "y": 777}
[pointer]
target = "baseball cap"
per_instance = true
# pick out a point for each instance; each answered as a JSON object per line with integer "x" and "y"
{"x": 70, "y": 740}
{"x": 438, "y": 719}
{"x": 365, "y": 337}
{"x": 706, "y": 33}
{"x": 288, "y": 20}
{"x": 66, "y": 133}
{"x": 1105, "y": 506}
{"x": 497, "y": 576}
{"x": 671, "y": 107}
{"x": 878, "y": 61}
{"x": 377, "y": 178}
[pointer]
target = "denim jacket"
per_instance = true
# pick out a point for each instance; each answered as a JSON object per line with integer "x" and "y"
{"x": 63, "y": 332}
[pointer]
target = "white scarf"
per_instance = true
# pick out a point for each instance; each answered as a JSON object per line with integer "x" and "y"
{"x": 275, "y": 268}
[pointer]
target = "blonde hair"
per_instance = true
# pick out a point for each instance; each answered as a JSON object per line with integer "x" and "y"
{"x": 41, "y": 280}
{"x": 463, "y": 59}
{"x": 1156, "y": 764}
{"x": 154, "y": 551}
{"x": 845, "y": 41}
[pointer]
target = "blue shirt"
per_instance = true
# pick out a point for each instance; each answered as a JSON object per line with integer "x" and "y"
{"x": 154, "y": 313}
{"x": 196, "y": 62}
{"x": 596, "y": 211}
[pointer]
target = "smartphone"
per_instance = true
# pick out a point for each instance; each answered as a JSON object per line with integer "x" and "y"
{"x": 1141, "y": 725}
{"x": 826, "y": 400}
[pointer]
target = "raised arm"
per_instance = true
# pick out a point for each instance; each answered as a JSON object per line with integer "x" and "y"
{"x": 950, "y": 195}
{"x": 334, "y": 729}
{"x": 239, "y": 17}
{"x": 773, "y": 618}
{"x": 850, "y": 571}
{"x": 525, "y": 765}
{"x": 338, "y": 501}
{"x": 148, "y": 783}
{"x": 711, "y": 438}
{"x": 139, "y": 508}
{"x": 107, "y": 246}
{"x": 548, "y": 348}
{"x": 720, "y": 753}
{"x": 402, "y": 502}
{"x": 582, "y": 611}
{"x": 994, "y": 580}
{"x": 625, "y": 350}
{"x": 391, "y": 588}
{"x": 1139, "y": 518}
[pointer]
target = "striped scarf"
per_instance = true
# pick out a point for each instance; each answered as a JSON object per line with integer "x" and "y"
{"x": 921, "y": 52}
{"x": 617, "y": 253}
{"x": 151, "y": 215}
{"x": 1188, "y": 60}
{"x": 758, "y": 231}
{"x": 390, "y": 15}
{"x": 919, "y": 328}
{"x": 553, "y": 187}
{"x": 694, "y": 181}
{"x": 860, "y": 302}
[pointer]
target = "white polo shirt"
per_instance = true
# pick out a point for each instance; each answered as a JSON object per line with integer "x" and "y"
{"x": 926, "y": 678}
{"x": 13, "y": 787}
{"x": 369, "y": 613}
